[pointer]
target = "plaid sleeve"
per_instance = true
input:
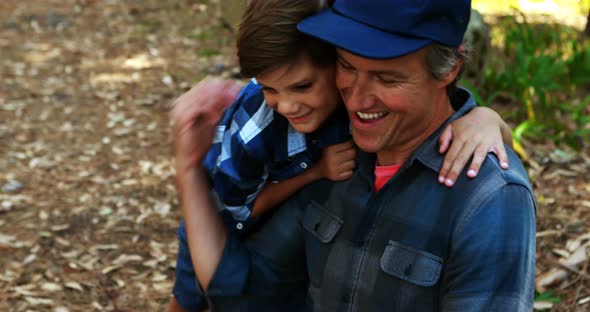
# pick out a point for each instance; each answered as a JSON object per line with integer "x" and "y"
{"x": 237, "y": 161}
{"x": 492, "y": 267}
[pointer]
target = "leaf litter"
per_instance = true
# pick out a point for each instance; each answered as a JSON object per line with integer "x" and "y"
{"x": 88, "y": 210}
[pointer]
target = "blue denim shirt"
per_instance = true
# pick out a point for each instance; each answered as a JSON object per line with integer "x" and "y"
{"x": 416, "y": 245}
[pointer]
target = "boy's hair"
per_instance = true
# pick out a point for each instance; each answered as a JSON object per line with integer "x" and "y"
{"x": 268, "y": 36}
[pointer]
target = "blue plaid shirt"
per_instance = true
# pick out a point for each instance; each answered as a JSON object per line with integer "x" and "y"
{"x": 254, "y": 144}
{"x": 415, "y": 245}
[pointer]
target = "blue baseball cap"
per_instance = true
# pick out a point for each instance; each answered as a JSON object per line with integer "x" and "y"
{"x": 382, "y": 29}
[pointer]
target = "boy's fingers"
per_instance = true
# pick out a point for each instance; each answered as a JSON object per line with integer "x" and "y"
{"x": 478, "y": 158}
{"x": 459, "y": 163}
{"x": 343, "y": 146}
{"x": 228, "y": 96}
{"x": 345, "y": 175}
{"x": 444, "y": 170}
{"x": 500, "y": 152}
{"x": 348, "y": 165}
{"x": 445, "y": 139}
{"x": 449, "y": 160}
{"x": 453, "y": 172}
{"x": 183, "y": 128}
{"x": 347, "y": 154}
{"x": 235, "y": 89}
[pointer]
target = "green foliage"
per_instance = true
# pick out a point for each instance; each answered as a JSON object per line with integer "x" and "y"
{"x": 200, "y": 36}
{"x": 548, "y": 296}
{"x": 544, "y": 68}
{"x": 208, "y": 52}
{"x": 149, "y": 26}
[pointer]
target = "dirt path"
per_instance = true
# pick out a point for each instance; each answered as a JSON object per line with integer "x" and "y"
{"x": 88, "y": 210}
{"x": 84, "y": 131}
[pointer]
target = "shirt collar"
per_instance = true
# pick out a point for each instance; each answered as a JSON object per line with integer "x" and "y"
{"x": 336, "y": 129}
{"x": 462, "y": 101}
{"x": 296, "y": 142}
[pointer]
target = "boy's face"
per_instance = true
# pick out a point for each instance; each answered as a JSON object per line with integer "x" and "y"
{"x": 302, "y": 92}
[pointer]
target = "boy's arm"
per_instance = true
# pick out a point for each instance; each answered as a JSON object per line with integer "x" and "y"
{"x": 473, "y": 136}
{"x": 238, "y": 161}
{"x": 336, "y": 164}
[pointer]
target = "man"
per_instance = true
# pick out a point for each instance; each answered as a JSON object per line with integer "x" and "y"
{"x": 388, "y": 239}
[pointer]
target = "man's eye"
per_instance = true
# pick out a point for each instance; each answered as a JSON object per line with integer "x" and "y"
{"x": 344, "y": 65}
{"x": 389, "y": 81}
{"x": 269, "y": 90}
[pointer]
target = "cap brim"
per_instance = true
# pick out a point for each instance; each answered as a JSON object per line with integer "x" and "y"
{"x": 358, "y": 38}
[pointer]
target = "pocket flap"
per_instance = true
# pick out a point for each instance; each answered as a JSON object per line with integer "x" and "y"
{"x": 410, "y": 264}
{"x": 320, "y": 222}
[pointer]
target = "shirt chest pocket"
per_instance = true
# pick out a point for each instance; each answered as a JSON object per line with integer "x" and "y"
{"x": 412, "y": 265}
{"x": 321, "y": 223}
{"x": 322, "y": 227}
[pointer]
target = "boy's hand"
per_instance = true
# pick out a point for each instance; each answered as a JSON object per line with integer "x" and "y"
{"x": 337, "y": 162}
{"x": 195, "y": 115}
{"x": 474, "y": 135}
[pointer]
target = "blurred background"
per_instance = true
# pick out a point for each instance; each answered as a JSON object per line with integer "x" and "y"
{"x": 88, "y": 208}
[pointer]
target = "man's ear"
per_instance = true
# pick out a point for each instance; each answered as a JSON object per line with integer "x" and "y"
{"x": 453, "y": 73}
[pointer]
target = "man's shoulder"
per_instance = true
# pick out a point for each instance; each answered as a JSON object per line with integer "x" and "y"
{"x": 515, "y": 174}
{"x": 494, "y": 192}
{"x": 492, "y": 185}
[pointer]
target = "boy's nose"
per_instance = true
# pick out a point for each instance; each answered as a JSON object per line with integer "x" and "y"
{"x": 287, "y": 107}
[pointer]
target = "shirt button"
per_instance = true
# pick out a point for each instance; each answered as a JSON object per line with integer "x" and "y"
{"x": 408, "y": 270}
{"x": 346, "y": 298}
{"x": 303, "y": 165}
{"x": 239, "y": 226}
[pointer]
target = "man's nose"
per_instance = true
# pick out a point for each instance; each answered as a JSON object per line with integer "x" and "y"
{"x": 359, "y": 97}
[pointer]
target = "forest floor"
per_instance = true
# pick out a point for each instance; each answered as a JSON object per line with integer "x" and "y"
{"x": 88, "y": 207}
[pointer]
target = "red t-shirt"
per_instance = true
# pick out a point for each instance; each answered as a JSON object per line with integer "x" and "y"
{"x": 383, "y": 174}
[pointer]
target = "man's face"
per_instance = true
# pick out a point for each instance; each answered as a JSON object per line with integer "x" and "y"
{"x": 302, "y": 92}
{"x": 392, "y": 103}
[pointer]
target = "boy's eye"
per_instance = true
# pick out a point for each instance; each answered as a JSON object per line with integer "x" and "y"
{"x": 303, "y": 87}
{"x": 268, "y": 90}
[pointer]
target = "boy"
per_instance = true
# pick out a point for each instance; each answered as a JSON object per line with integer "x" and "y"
{"x": 287, "y": 127}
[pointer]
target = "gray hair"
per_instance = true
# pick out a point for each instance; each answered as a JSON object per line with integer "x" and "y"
{"x": 441, "y": 59}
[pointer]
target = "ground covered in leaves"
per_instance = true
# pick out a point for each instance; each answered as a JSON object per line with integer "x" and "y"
{"x": 88, "y": 208}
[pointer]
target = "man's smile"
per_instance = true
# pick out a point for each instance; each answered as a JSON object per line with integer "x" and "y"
{"x": 370, "y": 116}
